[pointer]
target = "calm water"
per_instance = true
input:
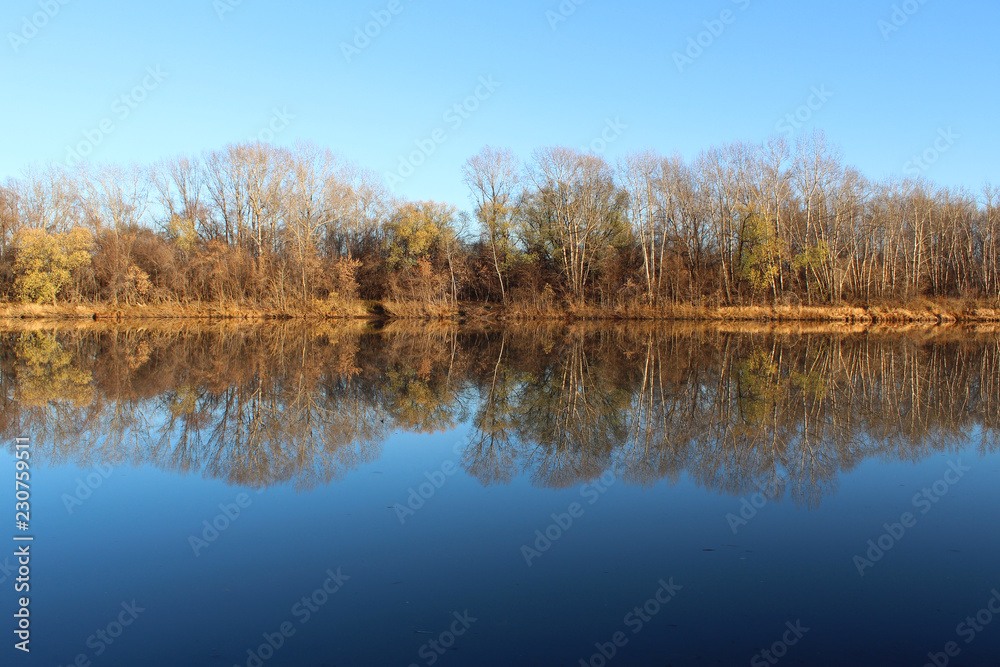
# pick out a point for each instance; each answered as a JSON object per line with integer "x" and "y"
{"x": 535, "y": 496}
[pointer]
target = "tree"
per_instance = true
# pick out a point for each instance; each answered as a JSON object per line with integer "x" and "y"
{"x": 421, "y": 238}
{"x": 492, "y": 177}
{"x": 641, "y": 174}
{"x": 46, "y": 262}
{"x": 313, "y": 199}
{"x": 179, "y": 186}
{"x": 761, "y": 253}
{"x": 815, "y": 171}
{"x": 9, "y": 220}
{"x": 575, "y": 212}
{"x": 115, "y": 201}
{"x": 48, "y": 199}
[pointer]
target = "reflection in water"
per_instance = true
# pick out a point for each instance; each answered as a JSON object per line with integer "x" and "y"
{"x": 775, "y": 410}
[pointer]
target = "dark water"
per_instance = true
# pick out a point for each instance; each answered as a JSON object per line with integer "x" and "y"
{"x": 535, "y": 496}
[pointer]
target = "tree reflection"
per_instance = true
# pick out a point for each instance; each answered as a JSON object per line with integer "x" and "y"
{"x": 490, "y": 456}
{"x": 780, "y": 411}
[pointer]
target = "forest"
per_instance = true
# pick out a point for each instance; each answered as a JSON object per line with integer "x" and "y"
{"x": 258, "y": 228}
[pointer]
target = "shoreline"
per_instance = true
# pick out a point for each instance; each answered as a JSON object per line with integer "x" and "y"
{"x": 922, "y": 312}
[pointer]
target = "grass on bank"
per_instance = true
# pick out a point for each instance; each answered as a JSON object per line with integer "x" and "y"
{"x": 941, "y": 311}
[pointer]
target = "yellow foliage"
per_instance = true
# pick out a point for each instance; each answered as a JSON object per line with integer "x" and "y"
{"x": 762, "y": 252}
{"x": 760, "y": 386}
{"x": 183, "y": 232}
{"x": 46, "y": 262}
{"x": 419, "y": 230}
{"x": 47, "y": 373}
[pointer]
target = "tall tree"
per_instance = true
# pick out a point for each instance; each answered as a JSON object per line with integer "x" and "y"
{"x": 575, "y": 211}
{"x": 492, "y": 176}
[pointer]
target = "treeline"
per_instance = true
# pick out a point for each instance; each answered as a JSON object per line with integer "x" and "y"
{"x": 300, "y": 229}
{"x": 736, "y": 412}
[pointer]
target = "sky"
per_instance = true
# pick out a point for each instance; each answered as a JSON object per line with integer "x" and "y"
{"x": 902, "y": 88}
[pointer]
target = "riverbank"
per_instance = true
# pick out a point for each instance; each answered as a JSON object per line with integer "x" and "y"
{"x": 919, "y": 311}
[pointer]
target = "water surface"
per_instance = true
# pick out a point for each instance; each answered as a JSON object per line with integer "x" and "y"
{"x": 540, "y": 495}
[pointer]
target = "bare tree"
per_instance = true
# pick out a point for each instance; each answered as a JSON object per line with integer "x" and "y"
{"x": 641, "y": 175}
{"x": 577, "y": 210}
{"x": 48, "y": 199}
{"x": 492, "y": 176}
{"x": 115, "y": 201}
{"x": 314, "y": 199}
{"x": 179, "y": 191}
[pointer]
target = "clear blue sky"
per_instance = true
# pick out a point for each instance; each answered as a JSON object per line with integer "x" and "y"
{"x": 608, "y": 60}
